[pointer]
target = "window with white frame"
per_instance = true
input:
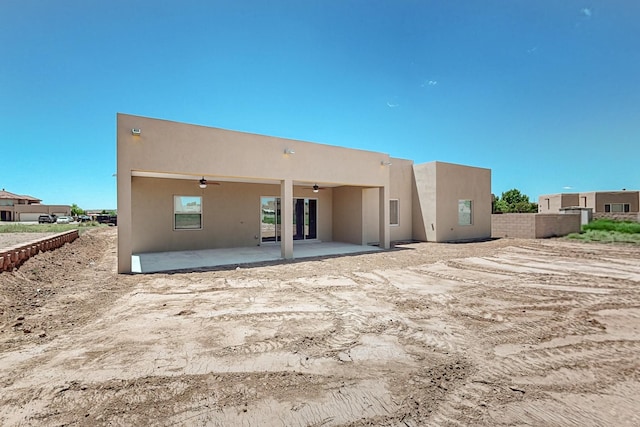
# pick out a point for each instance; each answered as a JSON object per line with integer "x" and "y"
{"x": 465, "y": 212}
{"x": 616, "y": 207}
{"x": 394, "y": 212}
{"x": 187, "y": 212}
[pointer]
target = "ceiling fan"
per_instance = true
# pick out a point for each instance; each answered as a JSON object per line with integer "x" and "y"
{"x": 203, "y": 183}
{"x": 315, "y": 188}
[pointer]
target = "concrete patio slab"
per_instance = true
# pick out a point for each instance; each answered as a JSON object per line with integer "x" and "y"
{"x": 156, "y": 262}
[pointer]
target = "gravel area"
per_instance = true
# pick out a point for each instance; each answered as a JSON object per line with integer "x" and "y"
{"x": 8, "y": 240}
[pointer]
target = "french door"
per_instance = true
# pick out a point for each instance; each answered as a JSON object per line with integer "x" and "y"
{"x": 305, "y": 219}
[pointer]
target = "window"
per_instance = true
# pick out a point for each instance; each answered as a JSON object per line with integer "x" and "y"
{"x": 187, "y": 212}
{"x": 616, "y": 207}
{"x": 465, "y": 212}
{"x": 394, "y": 212}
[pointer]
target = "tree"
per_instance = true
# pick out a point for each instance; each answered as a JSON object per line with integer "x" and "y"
{"x": 76, "y": 210}
{"x": 514, "y": 201}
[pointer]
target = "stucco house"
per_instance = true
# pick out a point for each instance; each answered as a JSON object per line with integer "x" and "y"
{"x": 188, "y": 187}
{"x": 14, "y": 207}
{"x": 615, "y": 204}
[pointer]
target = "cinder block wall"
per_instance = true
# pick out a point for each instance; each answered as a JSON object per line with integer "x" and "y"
{"x": 552, "y": 225}
{"x": 517, "y": 225}
{"x": 533, "y": 226}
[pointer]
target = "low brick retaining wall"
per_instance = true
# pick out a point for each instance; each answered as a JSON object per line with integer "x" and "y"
{"x": 15, "y": 256}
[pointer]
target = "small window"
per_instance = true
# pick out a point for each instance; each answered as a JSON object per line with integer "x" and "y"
{"x": 616, "y": 207}
{"x": 465, "y": 212}
{"x": 394, "y": 212}
{"x": 187, "y": 212}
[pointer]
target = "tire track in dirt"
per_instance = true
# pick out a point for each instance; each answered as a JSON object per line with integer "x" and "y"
{"x": 428, "y": 336}
{"x": 567, "y": 311}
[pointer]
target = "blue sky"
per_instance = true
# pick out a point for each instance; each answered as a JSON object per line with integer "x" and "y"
{"x": 545, "y": 93}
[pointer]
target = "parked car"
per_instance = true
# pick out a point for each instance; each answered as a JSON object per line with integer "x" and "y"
{"x": 84, "y": 218}
{"x": 107, "y": 219}
{"x": 46, "y": 219}
{"x": 63, "y": 220}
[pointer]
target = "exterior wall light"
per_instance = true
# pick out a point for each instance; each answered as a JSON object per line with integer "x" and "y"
{"x": 383, "y": 163}
{"x": 289, "y": 151}
{"x": 203, "y": 183}
{"x": 136, "y": 131}
{"x": 316, "y": 188}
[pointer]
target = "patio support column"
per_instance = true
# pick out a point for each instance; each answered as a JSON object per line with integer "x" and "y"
{"x": 384, "y": 218}
{"x": 286, "y": 218}
{"x": 125, "y": 242}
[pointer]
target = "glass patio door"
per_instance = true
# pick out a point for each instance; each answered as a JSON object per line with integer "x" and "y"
{"x": 305, "y": 217}
{"x": 270, "y": 220}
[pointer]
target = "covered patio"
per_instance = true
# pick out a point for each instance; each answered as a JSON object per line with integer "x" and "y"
{"x": 156, "y": 262}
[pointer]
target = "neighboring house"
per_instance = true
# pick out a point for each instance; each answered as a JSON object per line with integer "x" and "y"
{"x": 264, "y": 190}
{"x": 14, "y": 207}
{"x": 622, "y": 204}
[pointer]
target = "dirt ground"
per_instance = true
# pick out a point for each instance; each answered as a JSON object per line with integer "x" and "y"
{"x": 506, "y": 332}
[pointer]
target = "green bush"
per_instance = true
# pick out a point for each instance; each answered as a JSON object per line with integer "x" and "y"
{"x": 626, "y": 227}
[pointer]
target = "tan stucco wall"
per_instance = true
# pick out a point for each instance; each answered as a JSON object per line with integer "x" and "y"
{"x": 400, "y": 188}
{"x": 172, "y": 147}
{"x": 439, "y": 187}
{"x": 401, "y": 184}
{"x": 371, "y": 214}
{"x": 348, "y": 221}
{"x": 424, "y": 202}
{"x": 231, "y": 214}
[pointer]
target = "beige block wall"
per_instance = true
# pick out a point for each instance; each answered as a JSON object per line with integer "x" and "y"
{"x": 555, "y": 225}
{"x": 453, "y": 183}
{"x": 516, "y": 225}
{"x": 534, "y": 226}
